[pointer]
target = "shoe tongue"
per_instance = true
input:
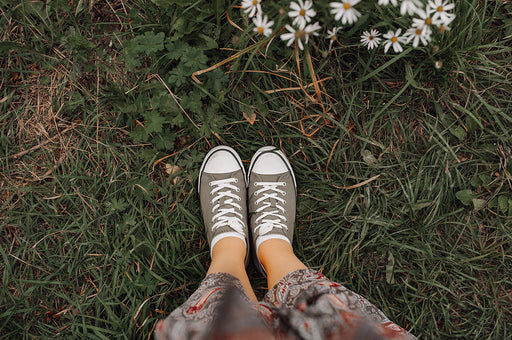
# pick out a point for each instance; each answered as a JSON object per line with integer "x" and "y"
{"x": 273, "y": 203}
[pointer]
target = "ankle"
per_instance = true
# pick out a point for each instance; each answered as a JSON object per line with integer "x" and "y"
{"x": 278, "y": 259}
{"x": 229, "y": 250}
{"x": 273, "y": 249}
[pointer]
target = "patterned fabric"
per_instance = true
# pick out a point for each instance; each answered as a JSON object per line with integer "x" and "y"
{"x": 303, "y": 305}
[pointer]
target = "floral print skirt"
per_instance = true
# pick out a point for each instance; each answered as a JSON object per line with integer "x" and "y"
{"x": 303, "y": 305}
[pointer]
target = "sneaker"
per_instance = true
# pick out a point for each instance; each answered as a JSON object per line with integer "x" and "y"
{"x": 272, "y": 194}
{"x": 223, "y": 196}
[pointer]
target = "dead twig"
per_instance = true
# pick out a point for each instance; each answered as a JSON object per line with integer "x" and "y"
{"x": 38, "y": 146}
{"x": 358, "y": 184}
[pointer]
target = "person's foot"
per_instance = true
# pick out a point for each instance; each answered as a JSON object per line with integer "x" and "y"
{"x": 223, "y": 196}
{"x": 272, "y": 198}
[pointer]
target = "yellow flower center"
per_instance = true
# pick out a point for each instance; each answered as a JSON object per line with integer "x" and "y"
{"x": 440, "y": 9}
{"x": 428, "y": 21}
{"x": 302, "y": 12}
{"x": 418, "y": 32}
{"x": 442, "y": 29}
{"x": 370, "y": 37}
{"x": 346, "y": 5}
{"x": 394, "y": 39}
{"x": 300, "y": 34}
{"x": 254, "y": 2}
{"x": 260, "y": 30}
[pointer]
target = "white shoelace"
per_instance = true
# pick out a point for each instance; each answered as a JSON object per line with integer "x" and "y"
{"x": 270, "y": 191}
{"x": 234, "y": 220}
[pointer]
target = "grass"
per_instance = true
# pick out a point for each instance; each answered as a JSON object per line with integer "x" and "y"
{"x": 404, "y": 174}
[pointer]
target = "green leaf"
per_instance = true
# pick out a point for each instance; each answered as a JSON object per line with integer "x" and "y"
{"x": 34, "y": 7}
{"x": 164, "y": 141}
{"x": 149, "y": 154}
{"x": 209, "y": 42}
{"x": 458, "y": 132}
{"x": 217, "y": 80}
{"x": 143, "y": 187}
{"x": 471, "y": 124}
{"x": 154, "y": 122}
{"x": 476, "y": 181}
{"x": 79, "y": 7}
{"x": 486, "y": 180}
{"x": 179, "y": 75}
{"x": 503, "y": 204}
{"x": 493, "y": 203}
{"x": 390, "y": 268}
{"x": 465, "y": 196}
{"x": 139, "y": 134}
{"x": 478, "y": 203}
{"x": 116, "y": 205}
{"x": 179, "y": 29}
{"x": 195, "y": 59}
{"x": 205, "y": 130}
{"x": 147, "y": 43}
{"x": 176, "y": 49}
{"x": 178, "y": 120}
{"x": 368, "y": 157}
{"x": 192, "y": 101}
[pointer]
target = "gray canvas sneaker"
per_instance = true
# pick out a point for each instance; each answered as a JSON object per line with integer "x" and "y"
{"x": 272, "y": 194}
{"x": 223, "y": 196}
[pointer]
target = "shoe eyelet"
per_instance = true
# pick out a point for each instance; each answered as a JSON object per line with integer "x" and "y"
{"x": 239, "y": 199}
{"x": 284, "y": 193}
{"x": 236, "y": 180}
{"x": 237, "y": 189}
{"x": 210, "y": 184}
{"x": 255, "y": 184}
{"x": 284, "y": 202}
{"x": 256, "y": 203}
{"x": 284, "y": 184}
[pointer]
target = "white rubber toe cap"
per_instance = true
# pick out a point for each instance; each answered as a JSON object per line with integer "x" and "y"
{"x": 221, "y": 161}
{"x": 269, "y": 164}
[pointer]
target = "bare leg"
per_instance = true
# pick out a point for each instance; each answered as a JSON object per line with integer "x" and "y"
{"x": 278, "y": 259}
{"x": 228, "y": 256}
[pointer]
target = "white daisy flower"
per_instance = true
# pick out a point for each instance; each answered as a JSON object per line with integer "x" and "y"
{"x": 262, "y": 24}
{"x": 331, "y": 34}
{"x": 394, "y": 39}
{"x": 311, "y": 30}
{"x": 424, "y": 22}
{"x": 386, "y": 2}
{"x": 345, "y": 11}
{"x": 371, "y": 39}
{"x": 439, "y": 8}
{"x": 416, "y": 35}
{"x": 443, "y": 28}
{"x": 251, "y": 7}
{"x": 294, "y": 35}
{"x": 410, "y": 7}
{"x": 302, "y": 12}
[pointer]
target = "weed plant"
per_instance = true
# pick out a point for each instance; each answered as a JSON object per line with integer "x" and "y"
{"x": 404, "y": 170}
